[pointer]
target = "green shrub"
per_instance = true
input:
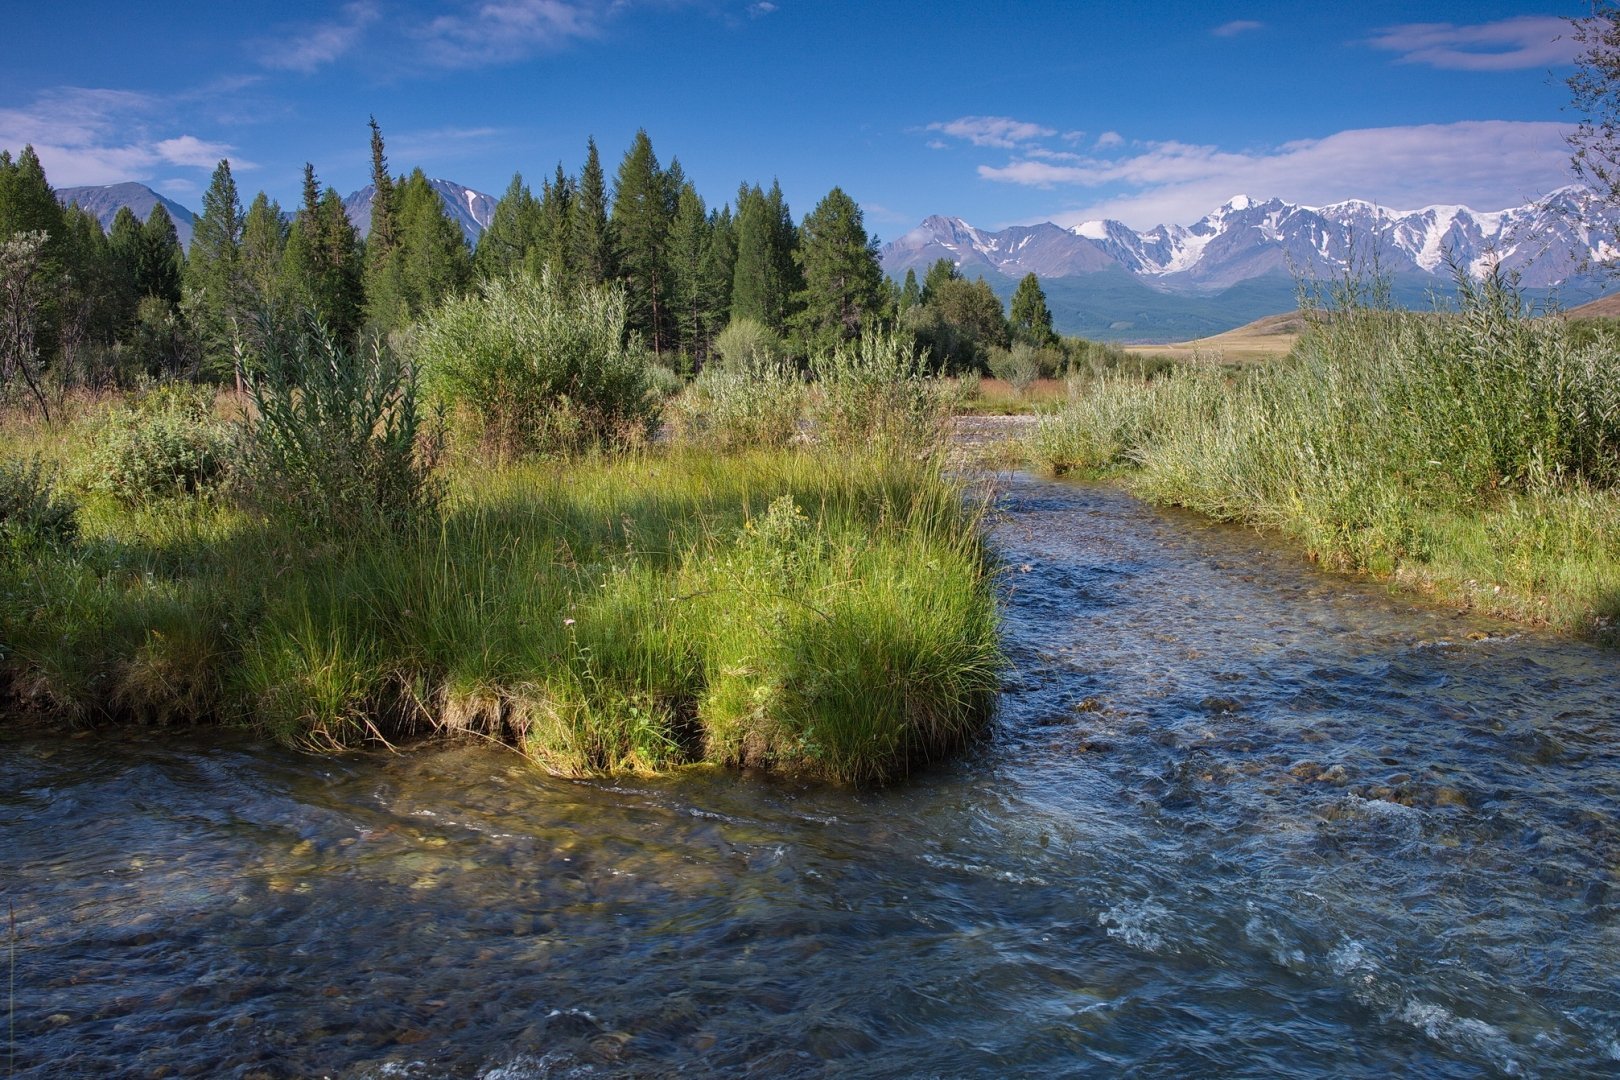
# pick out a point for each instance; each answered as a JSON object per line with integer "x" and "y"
{"x": 1018, "y": 366}
{"x": 749, "y": 346}
{"x": 338, "y": 445}
{"x": 538, "y": 368}
{"x": 876, "y": 391}
{"x": 167, "y": 443}
{"x": 32, "y": 512}
{"x": 730, "y": 409}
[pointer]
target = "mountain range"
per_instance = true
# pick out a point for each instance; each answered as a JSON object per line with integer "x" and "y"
{"x": 1240, "y": 262}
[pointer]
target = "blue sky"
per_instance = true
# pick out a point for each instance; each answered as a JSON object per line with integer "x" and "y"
{"x": 997, "y": 113}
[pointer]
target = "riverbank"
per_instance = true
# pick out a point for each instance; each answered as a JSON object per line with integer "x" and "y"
{"x": 1472, "y": 456}
{"x": 817, "y": 613}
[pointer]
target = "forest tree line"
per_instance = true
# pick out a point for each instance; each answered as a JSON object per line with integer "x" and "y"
{"x": 85, "y": 306}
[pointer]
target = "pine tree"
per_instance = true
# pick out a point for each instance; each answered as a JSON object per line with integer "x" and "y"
{"x": 843, "y": 280}
{"x": 264, "y": 238}
{"x": 910, "y": 292}
{"x": 320, "y": 267}
{"x": 159, "y": 258}
{"x": 432, "y": 252}
{"x": 640, "y": 232}
{"x": 717, "y": 270}
{"x": 386, "y": 305}
{"x": 213, "y": 265}
{"x": 591, "y": 248}
{"x": 380, "y": 240}
{"x": 766, "y": 278}
{"x": 1030, "y": 318}
{"x": 939, "y": 273}
{"x": 691, "y": 234}
{"x": 553, "y": 249}
{"x": 29, "y": 205}
{"x": 124, "y": 249}
{"x": 504, "y": 246}
{"x": 90, "y": 314}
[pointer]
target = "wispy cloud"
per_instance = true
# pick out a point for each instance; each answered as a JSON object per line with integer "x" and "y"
{"x": 1236, "y": 27}
{"x": 308, "y": 47}
{"x": 410, "y": 149}
{"x": 1488, "y": 164}
{"x": 501, "y": 31}
{"x": 1527, "y": 41}
{"x": 97, "y": 136}
{"x": 761, "y": 9}
{"x": 998, "y": 131}
{"x": 1110, "y": 139}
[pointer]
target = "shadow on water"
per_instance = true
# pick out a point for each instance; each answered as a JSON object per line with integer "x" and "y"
{"x": 1237, "y": 818}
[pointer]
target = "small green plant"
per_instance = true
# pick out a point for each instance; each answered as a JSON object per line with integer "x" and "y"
{"x": 338, "y": 444}
{"x": 748, "y": 346}
{"x": 1020, "y": 366}
{"x": 167, "y": 443}
{"x": 32, "y": 513}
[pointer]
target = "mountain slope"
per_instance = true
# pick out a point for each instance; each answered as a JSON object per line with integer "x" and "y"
{"x": 472, "y": 210}
{"x": 104, "y": 203}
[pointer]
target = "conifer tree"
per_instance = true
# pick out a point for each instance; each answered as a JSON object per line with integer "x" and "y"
{"x": 159, "y": 258}
{"x": 264, "y": 237}
{"x": 90, "y": 312}
{"x": 29, "y": 205}
{"x": 213, "y": 265}
{"x": 1030, "y": 318}
{"x": 910, "y": 292}
{"x": 640, "y": 232}
{"x": 843, "y": 281}
{"x": 432, "y": 254}
{"x": 124, "y": 249}
{"x": 591, "y": 247}
{"x": 512, "y": 233}
{"x": 938, "y": 274}
{"x": 321, "y": 263}
{"x": 386, "y": 305}
{"x": 766, "y": 278}
{"x": 553, "y": 249}
{"x": 691, "y": 234}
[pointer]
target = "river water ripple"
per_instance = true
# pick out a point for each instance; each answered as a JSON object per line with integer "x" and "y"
{"x": 1236, "y": 817}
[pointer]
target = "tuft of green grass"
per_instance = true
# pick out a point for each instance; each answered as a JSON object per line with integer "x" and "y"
{"x": 1477, "y": 453}
{"x": 826, "y": 613}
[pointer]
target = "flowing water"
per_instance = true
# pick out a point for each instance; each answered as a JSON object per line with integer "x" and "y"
{"x": 1236, "y": 817}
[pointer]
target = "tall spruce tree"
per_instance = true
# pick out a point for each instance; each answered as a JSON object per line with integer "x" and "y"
{"x": 159, "y": 259}
{"x": 1029, "y": 318}
{"x": 766, "y": 278}
{"x": 591, "y": 247}
{"x": 504, "y": 246}
{"x": 214, "y": 266}
{"x": 553, "y": 248}
{"x": 843, "y": 281}
{"x": 432, "y": 252}
{"x": 640, "y": 231}
{"x": 29, "y": 205}
{"x": 321, "y": 264}
{"x": 386, "y": 303}
{"x": 264, "y": 238}
{"x": 691, "y": 234}
{"x": 910, "y": 292}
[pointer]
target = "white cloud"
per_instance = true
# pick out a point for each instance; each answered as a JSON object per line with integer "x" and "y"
{"x": 1110, "y": 139}
{"x": 761, "y": 9}
{"x": 1001, "y": 131}
{"x": 1236, "y": 27}
{"x": 501, "y": 31}
{"x": 1528, "y": 41}
{"x": 94, "y": 136}
{"x": 1487, "y": 164}
{"x": 309, "y": 47}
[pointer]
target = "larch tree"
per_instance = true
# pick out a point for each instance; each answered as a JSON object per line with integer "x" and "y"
{"x": 843, "y": 281}
{"x": 590, "y": 247}
{"x": 513, "y": 232}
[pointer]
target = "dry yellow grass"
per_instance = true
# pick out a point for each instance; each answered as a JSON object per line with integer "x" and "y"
{"x": 1264, "y": 339}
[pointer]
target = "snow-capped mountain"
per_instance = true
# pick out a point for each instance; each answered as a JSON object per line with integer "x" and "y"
{"x": 1544, "y": 243}
{"x": 104, "y": 203}
{"x": 470, "y": 209}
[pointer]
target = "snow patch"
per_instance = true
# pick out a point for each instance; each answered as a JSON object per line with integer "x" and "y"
{"x": 1092, "y": 230}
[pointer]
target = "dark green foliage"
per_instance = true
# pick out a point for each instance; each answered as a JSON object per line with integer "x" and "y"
{"x": 942, "y": 271}
{"x": 429, "y": 260}
{"x": 910, "y": 293}
{"x": 958, "y": 322}
{"x": 335, "y": 446}
{"x": 32, "y": 512}
{"x": 320, "y": 267}
{"x": 700, "y": 273}
{"x": 643, "y": 207}
{"x": 590, "y": 246}
{"x": 843, "y": 280}
{"x": 1030, "y": 319}
{"x": 92, "y": 302}
{"x": 552, "y": 251}
{"x": 513, "y": 232}
{"x": 264, "y": 238}
{"x": 766, "y": 278}
{"x": 214, "y": 267}
{"x": 159, "y": 258}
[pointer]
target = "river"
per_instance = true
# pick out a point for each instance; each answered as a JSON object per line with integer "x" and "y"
{"x": 1236, "y": 817}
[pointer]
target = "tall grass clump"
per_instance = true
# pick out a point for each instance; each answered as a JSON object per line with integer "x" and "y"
{"x": 533, "y": 366}
{"x": 876, "y": 391}
{"x": 750, "y": 403}
{"x": 337, "y": 442}
{"x": 33, "y": 513}
{"x": 1382, "y": 434}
